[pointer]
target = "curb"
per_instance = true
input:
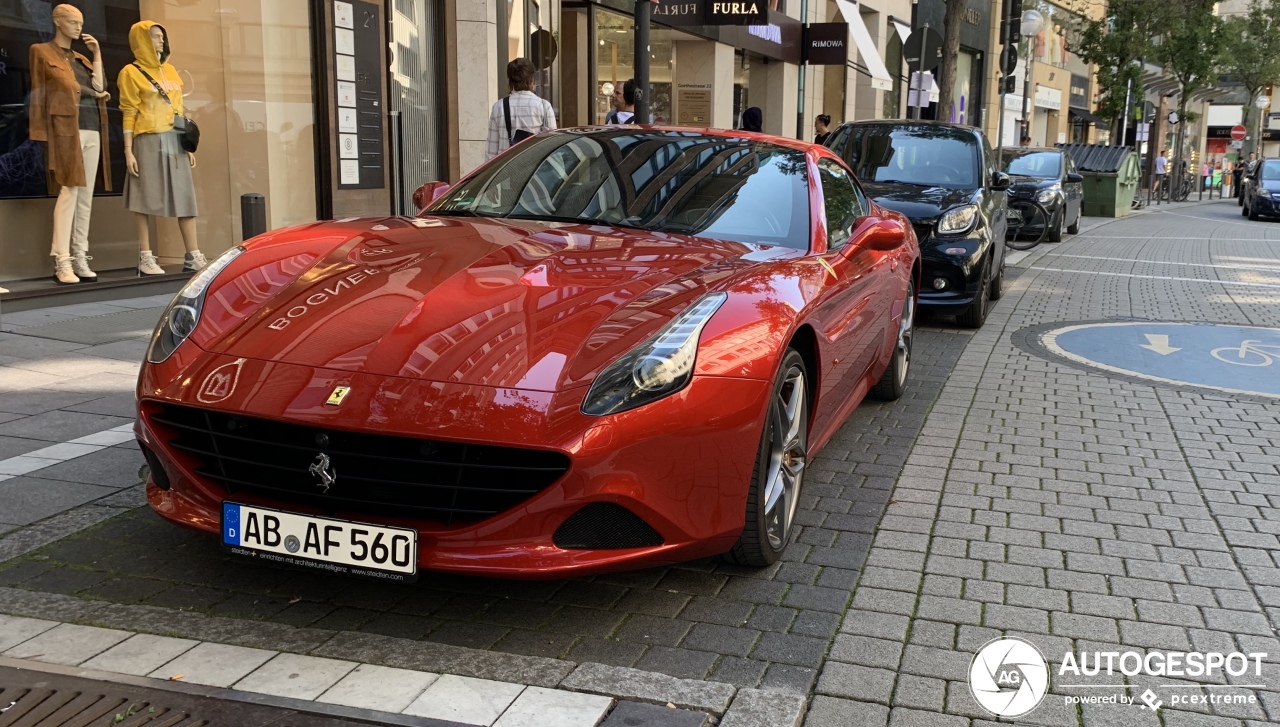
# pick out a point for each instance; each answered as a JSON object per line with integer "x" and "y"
{"x": 741, "y": 707}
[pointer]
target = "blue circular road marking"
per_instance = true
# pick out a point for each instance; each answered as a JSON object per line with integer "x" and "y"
{"x": 1234, "y": 359}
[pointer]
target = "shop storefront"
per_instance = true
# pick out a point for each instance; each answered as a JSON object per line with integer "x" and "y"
{"x": 299, "y": 101}
{"x": 975, "y": 38}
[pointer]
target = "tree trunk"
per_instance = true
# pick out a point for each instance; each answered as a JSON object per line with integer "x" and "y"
{"x": 1175, "y": 174}
{"x": 950, "y": 53}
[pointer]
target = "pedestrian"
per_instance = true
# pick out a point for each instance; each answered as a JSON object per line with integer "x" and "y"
{"x": 1162, "y": 170}
{"x": 1251, "y": 164}
{"x": 753, "y": 120}
{"x": 1237, "y": 176}
{"x": 1026, "y": 141}
{"x": 821, "y": 128}
{"x": 624, "y": 103}
{"x": 519, "y": 115}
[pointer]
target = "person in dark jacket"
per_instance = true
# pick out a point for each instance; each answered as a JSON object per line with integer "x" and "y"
{"x": 752, "y": 119}
{"x": 821, "y": 128}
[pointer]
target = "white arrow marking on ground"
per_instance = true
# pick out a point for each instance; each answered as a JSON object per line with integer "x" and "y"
{"x": 1159, "y": 344}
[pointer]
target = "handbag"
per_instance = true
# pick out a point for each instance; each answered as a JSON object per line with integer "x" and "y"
{"x": 188, "y": 132}
{"x": 518, "y": 135}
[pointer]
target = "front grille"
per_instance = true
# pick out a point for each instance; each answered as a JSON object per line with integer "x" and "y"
{"x": 922, "y": 232}
{"x": 372, "y": 473}
{"x": 605, "y": 526}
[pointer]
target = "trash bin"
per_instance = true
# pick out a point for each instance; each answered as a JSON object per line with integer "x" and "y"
{"x": 1111, "y": 176}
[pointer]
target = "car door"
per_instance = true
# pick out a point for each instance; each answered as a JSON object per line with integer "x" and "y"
{"x": 1074, "y": 191}
{"x": 994, "y": 204}
{"x": 851, "y": 311}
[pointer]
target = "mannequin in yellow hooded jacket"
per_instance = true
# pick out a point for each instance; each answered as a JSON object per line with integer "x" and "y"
{"x": 159, "y": 181}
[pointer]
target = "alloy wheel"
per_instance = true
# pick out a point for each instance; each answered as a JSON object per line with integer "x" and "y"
{"x": 906, "y": 329}
{"x": 786, "y": 457}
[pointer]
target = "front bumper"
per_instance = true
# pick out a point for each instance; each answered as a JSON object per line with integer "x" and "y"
{"x": 1266, "y": 206}
{"x": 962, "y": 273}
{"x": 682, "y": 464}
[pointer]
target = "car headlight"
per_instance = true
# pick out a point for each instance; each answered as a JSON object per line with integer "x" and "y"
{"x": 180, "y": 318}
{"x": 1048, "y": 195}
{"x": 958, "y": 220}
{"x": 656, "y": 368}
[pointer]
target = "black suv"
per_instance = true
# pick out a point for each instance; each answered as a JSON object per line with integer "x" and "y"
{"x": 944, "y": 178}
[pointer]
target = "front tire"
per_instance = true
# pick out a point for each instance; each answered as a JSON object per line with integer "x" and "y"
{"x": 1253, "y": 214}
{"x": 976, "y": 314}
{"x": 1074, "y": 227}
{"x": 779, "y": 469}
{"x": 1055, "y": 232}
{"x": 893, "y": 383}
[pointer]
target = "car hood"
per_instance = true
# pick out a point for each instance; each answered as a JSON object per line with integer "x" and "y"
{"x": 1026, "y": 186}
{"x": 528, "y": 305}
{"x": 919, "y": 204}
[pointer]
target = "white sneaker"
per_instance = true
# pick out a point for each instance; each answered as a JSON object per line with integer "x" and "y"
{"x": 62, "y": 272}
{"x": 148, "y": 265}
{"x": 80, "y": 265}
{"x": 193, "y": 261}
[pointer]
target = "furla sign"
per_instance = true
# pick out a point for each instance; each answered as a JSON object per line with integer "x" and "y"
{"x": 736, "y": 13}
{"x": 711, "y": 12}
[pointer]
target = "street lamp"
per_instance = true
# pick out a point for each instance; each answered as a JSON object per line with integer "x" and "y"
{"x": 1032, "y": 23}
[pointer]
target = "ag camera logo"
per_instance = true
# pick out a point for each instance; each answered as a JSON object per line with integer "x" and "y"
{"x": 1008, "y": 677}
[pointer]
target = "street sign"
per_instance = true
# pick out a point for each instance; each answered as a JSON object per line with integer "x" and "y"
{"x": 924, "y": 43}
{"x": 1238, "y": 132}
{"x": 1237, "y": 144}
{"x": 1143, "y": 131}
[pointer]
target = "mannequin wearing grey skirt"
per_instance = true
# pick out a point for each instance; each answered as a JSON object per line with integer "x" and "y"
{"x": 159, "y": 181}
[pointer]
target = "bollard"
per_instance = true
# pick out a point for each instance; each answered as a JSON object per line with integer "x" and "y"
{"x": 253, "y": 215}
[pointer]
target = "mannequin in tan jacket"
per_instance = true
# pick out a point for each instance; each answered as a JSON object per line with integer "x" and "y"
{"x": 68, "y": 112}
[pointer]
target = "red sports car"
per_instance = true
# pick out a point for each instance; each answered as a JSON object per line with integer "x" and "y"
{"x": 604, "y": 349}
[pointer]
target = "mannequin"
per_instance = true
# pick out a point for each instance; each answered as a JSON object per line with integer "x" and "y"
{"x": 159, "y": 182}
{"x": 65, "y": 88}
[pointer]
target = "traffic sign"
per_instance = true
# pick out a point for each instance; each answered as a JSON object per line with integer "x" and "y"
{"x": 923, "y": 50}
{"x": 1238, "y": 132}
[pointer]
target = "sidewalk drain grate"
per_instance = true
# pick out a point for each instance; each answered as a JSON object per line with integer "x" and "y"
{"x": 99, "y": 329}
{"x": 54, "y": 707}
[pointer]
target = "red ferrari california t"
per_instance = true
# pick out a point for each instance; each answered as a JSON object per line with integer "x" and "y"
{"x": 604, "y": 349}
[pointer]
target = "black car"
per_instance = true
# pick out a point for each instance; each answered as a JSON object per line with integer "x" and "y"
{"x": 1049, "y": 177}
{"x": 943, "y": 177}
{"x": 1262, "y": 190}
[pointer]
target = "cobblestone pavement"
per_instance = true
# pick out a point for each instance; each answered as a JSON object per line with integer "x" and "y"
{"x": 1078, "y": 511}
{"x": 1006, "y": 494}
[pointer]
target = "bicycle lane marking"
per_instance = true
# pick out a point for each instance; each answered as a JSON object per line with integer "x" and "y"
{"x": 1228, "y": 358}
{"x": 1255, "y": 268}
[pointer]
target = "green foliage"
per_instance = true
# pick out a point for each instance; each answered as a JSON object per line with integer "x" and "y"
{"x": 1115, "y": 43}
{"x": 1252, "y": 52}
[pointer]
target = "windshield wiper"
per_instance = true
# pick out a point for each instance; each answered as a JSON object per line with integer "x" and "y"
{"x": 574, "y": 220}
{"x": 455, "y": 213}
{"x": 903, "y": 181}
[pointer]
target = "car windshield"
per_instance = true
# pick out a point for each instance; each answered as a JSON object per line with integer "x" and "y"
{"x": 680, "y": 182}
{"x": 1270, "y": 171}
{"x": 925, "y": 154}
{"x": 1039, "y": 164}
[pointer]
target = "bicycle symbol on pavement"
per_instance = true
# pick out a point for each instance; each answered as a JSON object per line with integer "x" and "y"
{"x": 1249, "y": 353}
{"x": 1228, "y": 358}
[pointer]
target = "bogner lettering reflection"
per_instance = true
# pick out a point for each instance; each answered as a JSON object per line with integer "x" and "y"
{"x": 324, "y": 295}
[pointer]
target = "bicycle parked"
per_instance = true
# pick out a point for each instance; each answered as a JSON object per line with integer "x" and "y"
{"x": 1028, "y": 224}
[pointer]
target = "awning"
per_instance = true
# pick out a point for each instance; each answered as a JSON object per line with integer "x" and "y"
{"x": 1084, "y": 116}
{"x": 880, "y": 77}
{"x": 903, "y": 28}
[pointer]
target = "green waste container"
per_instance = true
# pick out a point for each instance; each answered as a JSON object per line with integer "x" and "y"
{"x": 1110, "y": 178}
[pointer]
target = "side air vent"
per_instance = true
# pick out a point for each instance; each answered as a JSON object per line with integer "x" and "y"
{"x": 605, "y": 526}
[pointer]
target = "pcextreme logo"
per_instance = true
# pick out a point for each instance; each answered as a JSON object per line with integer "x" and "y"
{"x": 1009, "y": 677}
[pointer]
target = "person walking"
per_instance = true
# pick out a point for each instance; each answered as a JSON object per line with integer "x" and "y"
{"x": 624, "y": 104}
{"x": 519, "y": 115}
{"x": 1162, "y": 171}
{"x": 753, "y": 120}
{"x": 1026, "y": 141}
{"x": 822, "y": 128}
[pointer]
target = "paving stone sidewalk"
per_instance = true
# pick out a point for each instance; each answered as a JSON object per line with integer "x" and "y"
{"x": 1074, "y": 510}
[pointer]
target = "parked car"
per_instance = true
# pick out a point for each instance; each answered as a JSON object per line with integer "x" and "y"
{"x": 1262, "y": 191}
{"x": 943, "y": 177}
{"x": 1049, "y": 177}
{"x": 606, "y": 348}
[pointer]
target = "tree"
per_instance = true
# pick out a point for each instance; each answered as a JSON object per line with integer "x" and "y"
{"x": 1189, "y": 48}
{"x": 950, "y": 52}
{"x": 1114, "y": 44}
{"x": 1253, "y": 60}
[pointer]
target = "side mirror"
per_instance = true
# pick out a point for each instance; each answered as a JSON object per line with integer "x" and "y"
{"x": 871, "y": 233}
{"x": 1073, "y": 177}
{"x": 1000, "y": 182}
{"x": 428, "y": 193}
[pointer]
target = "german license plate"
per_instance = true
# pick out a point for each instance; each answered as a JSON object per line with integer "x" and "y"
{"x": 338, "y": 546}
